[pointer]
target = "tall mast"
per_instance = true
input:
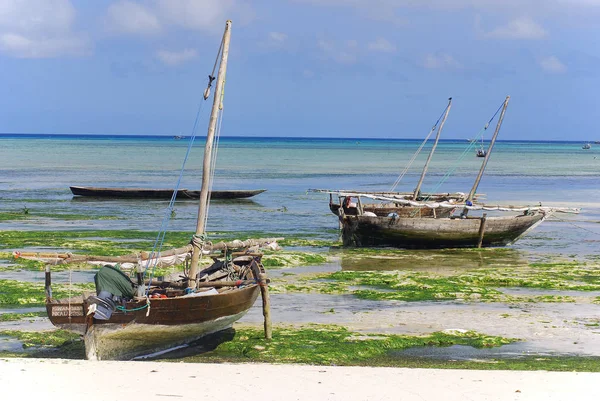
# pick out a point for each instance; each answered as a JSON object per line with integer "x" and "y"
{"x": 437, "y": 138}
{"x": 206, "y": 166}
{"x": 487, "y": 155}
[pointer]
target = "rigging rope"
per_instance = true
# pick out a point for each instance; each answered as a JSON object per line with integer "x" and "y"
{"x": 464, "y": 153}
{"x": 410, "y": 162}
{"x": 160, "y": 238}
{"x": 213, "y": 161}
{"x": 155, "y": 254}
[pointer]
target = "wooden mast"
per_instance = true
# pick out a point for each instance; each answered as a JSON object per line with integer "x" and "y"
{"x": 437, "y": 138}
{"x": 487, "y": 156}
{"x": 206, "y": 167}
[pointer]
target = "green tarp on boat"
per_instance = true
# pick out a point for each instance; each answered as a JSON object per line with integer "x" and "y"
{"x": 114, "y": 281}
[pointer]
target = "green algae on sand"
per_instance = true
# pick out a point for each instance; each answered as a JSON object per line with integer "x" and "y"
{"x": 480, "y": 284}
{"x": 19, "y": 293}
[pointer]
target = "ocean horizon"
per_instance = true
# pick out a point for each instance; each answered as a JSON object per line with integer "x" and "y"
{"x": 263, "y": 138}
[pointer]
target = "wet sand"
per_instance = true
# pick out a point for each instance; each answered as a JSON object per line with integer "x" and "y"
{"x": 67, "y": 380}
{"x": 544, "y": 328}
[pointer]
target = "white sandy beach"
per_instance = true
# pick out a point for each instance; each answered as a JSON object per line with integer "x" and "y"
{"x": 65, "y": 380}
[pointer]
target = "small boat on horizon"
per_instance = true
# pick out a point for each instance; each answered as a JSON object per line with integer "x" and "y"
{"x": 481, "y": 152}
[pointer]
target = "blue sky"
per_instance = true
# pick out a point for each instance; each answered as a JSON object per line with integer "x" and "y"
{"x": 322, "y": 68}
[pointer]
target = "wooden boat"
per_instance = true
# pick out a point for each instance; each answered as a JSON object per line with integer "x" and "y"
{"x": 124, "y": 320}
{"x": 433, "y": 231}
{"x": 447, "y": 232}
{"x": 481, "y": 152}
{"x": 170, "y": 316}
{"x": 146, "y": 193}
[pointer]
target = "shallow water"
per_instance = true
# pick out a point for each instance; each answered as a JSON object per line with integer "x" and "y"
{"x": 36, "y": 173}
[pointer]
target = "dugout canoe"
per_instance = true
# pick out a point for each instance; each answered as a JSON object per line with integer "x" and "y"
{"x": 148, "y": 193}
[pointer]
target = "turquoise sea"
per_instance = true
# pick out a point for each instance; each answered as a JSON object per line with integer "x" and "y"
{"x": 37, "y": 170}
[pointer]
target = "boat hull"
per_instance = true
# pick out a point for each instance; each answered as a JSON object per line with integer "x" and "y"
{"x": 145, "y": 193}
{"x": 170, "y": 322}
{"x": 429, "y": 233}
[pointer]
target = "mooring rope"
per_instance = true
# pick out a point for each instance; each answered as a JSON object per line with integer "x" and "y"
{"x": 576, "y": 226}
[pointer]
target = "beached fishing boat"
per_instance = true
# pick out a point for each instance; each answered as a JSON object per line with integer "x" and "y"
{"x": 147, "y": 193}
{"x": 430, "y": 232}
{"x": 125, "y": 318}
{"x": 435, "y": 231}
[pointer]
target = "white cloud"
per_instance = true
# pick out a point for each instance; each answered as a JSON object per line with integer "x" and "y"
{"x": 207, "y": 15}
{"x": 40, "y": 29}
{"x": 149, "y": 17}
{"x": 325, "y": 45}
{"x": 36, "y": 16}
{"x": 277, "y": 37}
{"x": 553, "y": 65}
{"x": 519, "y": 28}
{"x": 172, "y": 58}
{"x": 382, "y": 45}
{"x": 25, "y": 47}
{"x": 129, "y": 17}
{"x": 275, "y": 41}
{"x": 509, "y": 5}
{"x": 346, "y": 53}
{"x": 441, "y": 61}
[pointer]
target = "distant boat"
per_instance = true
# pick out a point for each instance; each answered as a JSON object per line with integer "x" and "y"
{"x": 597, "y": 142}
{"x": 178, "y": 137}
{"x": 148, "y": 193}
{"x": 481, "y": 152}
{"x": 586, "y": 146}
